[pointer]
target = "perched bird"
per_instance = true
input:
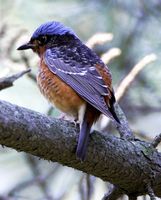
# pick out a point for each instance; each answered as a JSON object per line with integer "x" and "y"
{"x": 72, "y": 77}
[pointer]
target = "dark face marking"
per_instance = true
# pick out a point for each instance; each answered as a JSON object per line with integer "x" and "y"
{"x": 38, "y": 44}
{"x": 41, "y": 40}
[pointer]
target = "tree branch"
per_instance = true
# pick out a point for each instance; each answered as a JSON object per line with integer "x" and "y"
{"x": 123, "y": 128}
{"x": 99, "y": 39}
{"x": 8, "y": 81}
{"x": 110, "y": 54}
{"x": 127, "y": 164}
{"x": 124, "y": 85}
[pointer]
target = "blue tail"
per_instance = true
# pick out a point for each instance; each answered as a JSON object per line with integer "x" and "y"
{"x": 83, "y": 140}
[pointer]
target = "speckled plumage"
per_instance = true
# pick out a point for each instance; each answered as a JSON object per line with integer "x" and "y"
{"x": 72, "y": 77}
{"x": 79, "y": 67}
{"x": 57, "y": 92}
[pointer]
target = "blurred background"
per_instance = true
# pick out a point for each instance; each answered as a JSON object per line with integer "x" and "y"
{"x": 129, "y": 32}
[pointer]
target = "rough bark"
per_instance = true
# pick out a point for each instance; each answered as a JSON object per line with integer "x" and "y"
{"x": 130, "y": 165}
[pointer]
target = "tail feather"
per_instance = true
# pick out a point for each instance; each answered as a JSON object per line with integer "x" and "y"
{"x": 83, "y": 140}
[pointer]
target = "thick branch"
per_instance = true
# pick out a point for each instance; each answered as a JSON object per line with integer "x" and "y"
{"x": 128, "y": 164}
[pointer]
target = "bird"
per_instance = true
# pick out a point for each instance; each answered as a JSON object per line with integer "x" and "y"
{"x": 73, "y": 78}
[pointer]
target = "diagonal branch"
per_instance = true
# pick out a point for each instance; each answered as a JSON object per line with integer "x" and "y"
{"x": 56, "y": 140}
{"x": 124, "y": 85}
{"x": 110, "y": 54}
{"x": 99, "y": 39}
{"x": 123, "y": 128}
{"x": 8, "y": 81}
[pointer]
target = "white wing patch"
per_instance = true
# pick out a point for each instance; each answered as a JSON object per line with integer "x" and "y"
{"x": 82, "y": 73}
{"x": 58, "y": 65}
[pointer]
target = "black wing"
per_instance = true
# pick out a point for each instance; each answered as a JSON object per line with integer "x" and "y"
{"x": 84, "y": 79}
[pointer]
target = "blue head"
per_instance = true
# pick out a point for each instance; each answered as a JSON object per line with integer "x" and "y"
{"x": 42, "y": 34}
{"x": 52, "y": 28}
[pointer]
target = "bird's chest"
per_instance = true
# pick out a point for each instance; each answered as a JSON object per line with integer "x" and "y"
{"x": 58, "y": 92}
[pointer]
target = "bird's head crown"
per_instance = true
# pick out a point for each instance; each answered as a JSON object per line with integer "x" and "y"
{"x": 52, "y": 28}
{"x": 44, "y": 35}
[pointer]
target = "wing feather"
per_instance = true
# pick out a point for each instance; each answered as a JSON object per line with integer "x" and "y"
{"x": 85, "y": 80}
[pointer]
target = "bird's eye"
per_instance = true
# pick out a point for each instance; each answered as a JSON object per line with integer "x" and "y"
{"x": 43, "y": 40}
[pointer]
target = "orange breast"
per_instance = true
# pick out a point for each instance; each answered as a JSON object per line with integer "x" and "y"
{"x": 58, "y": 92}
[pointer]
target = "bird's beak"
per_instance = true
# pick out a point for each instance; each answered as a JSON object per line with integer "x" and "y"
{"x": 26, "y": 46}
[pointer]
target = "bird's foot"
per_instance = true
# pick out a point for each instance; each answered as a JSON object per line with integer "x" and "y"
{"x": 69, "y": 118}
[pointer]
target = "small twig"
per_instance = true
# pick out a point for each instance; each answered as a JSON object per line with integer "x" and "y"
{"x": 151, "y": 192}
{"x": 124, "y": 85}
{"x": 8, "y": 81}
{"x": 123, "y": 128}
{"x": 156, "y": 141}
{"x": 111, "y": 54}
{"x": 99, "y": 39}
